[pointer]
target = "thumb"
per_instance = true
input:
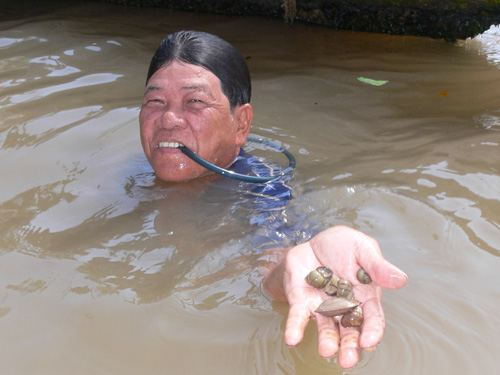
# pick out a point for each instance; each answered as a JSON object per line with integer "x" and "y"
{"x": 381, "y": 271}
{"x": 386, "y": 274}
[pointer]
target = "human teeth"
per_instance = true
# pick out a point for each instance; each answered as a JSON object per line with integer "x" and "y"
{"x": 170, "y": 144}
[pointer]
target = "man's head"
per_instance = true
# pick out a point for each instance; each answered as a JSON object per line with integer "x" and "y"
{"x": 197, "y": 93}
{"x": 212, "y": 53}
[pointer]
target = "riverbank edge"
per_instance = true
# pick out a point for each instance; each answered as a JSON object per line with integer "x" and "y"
{"x": 446, "y": 19}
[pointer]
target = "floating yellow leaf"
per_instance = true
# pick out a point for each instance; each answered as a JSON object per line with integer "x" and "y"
{"x": 443, "y": 93}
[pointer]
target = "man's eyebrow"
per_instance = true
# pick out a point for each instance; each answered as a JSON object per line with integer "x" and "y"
{"x": 152, "y": 88}
{"x": 196, "y": 88}
{"x": 202, "y": 88}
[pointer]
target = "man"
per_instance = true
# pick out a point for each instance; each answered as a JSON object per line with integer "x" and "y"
{"x": 186, "y": 103}
{"x": 198, "y": 95}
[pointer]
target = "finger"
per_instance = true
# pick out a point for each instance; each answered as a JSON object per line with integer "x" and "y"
{"x": 381, "y": 271}
{"x": 374, "y": 322}
{"x": 349, "y": 347}
{"x": 298, "y": 317}
{"x": 328, "y": 336}
{"x": 387, "y": 275}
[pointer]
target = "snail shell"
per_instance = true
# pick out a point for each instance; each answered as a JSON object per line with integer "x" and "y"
{"x": 344, "y": 288}
{"x": 336, "y": 306}
{"x": 330, "y": 289}
{"x": 353, "y": 318}
{"x": 363, "y": 277}
{"x": 316, "y": 279}
{"x": 325, "y": 272}
{"x": 335, "y": 280}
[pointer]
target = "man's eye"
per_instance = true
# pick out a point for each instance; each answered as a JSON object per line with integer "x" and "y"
{"x": 154, "y": 102}
{"x": 195, "y": 103}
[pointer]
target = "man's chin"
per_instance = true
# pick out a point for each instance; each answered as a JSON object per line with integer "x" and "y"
{"x": 181, "y": 175}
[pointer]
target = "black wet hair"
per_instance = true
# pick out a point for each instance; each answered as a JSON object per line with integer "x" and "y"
{"x": 212, "y": 53}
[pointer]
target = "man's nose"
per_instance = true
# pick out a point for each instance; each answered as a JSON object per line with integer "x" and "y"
{"x": 172, "y": 118}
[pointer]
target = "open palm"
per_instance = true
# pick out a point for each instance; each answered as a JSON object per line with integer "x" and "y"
{"x": 343, "y": 250}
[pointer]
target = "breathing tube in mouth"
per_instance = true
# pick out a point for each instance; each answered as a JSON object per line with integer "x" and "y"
{"x": 239, "y": 176}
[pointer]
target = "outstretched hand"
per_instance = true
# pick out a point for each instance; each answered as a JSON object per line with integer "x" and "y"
{"x": 344, "y": 250}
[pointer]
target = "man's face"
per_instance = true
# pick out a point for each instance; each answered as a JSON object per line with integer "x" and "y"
{"x": 184, "y": 103}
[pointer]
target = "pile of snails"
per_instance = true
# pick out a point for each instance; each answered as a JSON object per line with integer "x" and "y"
{"x": 344, "y": 303}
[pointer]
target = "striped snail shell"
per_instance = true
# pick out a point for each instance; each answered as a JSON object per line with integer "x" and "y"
{"x": 325, "y": 271}
{"x": 353, "y": 318}
{"x": 330, "y": 289}
{"x": 316, "y": 279}
{"x": 363, "y": 277}
{"x": 344, "y": 288}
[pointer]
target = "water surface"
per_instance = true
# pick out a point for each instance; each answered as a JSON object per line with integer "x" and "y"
{"x": 104, "y": 270}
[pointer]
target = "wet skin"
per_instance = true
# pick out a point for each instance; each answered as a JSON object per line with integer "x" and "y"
{"x": 184, "y": 103}
{"x": 344, "y": 250}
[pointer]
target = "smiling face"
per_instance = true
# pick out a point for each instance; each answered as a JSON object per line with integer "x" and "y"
{"x": 184, "y": 104}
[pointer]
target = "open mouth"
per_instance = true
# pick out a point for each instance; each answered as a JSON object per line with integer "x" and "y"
{"x": 169, "y": 145}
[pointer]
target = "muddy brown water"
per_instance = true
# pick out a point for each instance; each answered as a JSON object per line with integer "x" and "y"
{"x": 105, "y": 271}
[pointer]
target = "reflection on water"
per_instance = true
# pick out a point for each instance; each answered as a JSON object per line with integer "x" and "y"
{"x": 106, "y": 270}
{"x": 487, "y": 44}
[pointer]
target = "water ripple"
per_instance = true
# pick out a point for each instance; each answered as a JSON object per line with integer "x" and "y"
{"x": 88, "y": 80}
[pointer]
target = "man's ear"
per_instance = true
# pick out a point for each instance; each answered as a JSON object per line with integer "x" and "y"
{"x": 243, "y": 115}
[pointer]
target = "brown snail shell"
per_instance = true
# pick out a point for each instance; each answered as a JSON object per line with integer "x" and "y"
{"x": 330, "y": 289}
{"x": 363, "y": 277}
{"x": 325, "y": 271}
{"x": 353, "y": 318}
{"x": 336, "y": 306}
{"x": 334, "y": 280}
{"x": 316, "y": 279}
{"x": 344, "y": 288}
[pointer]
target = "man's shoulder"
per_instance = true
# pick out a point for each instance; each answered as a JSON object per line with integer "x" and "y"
{"x": 278, "y": 191}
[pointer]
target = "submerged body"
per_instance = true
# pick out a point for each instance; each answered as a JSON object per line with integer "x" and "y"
{"x": 198, "y": 95}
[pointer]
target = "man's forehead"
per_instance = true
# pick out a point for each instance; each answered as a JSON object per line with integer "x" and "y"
{"x": 206, "y": 89}
{"x": 192, "y": 87}
{"x": 181, "y": 71}
{"x": 193, "y": 82}
{"x": 181, "y": 77}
